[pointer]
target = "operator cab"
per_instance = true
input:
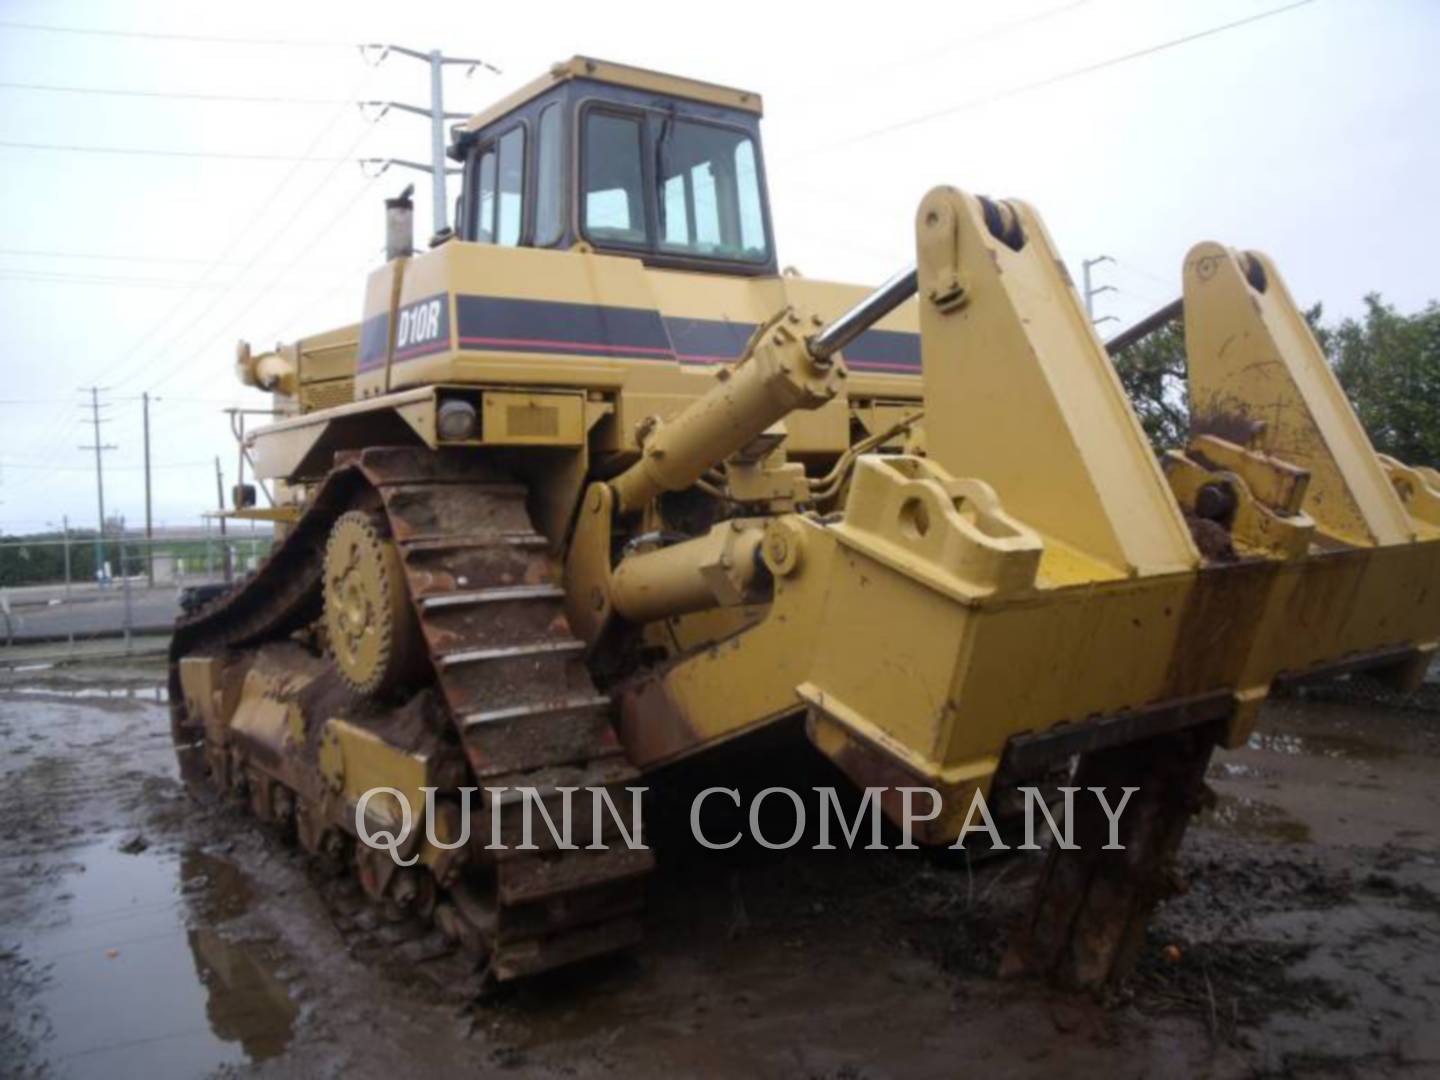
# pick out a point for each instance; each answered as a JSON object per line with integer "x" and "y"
{"x": 624, "y": 161}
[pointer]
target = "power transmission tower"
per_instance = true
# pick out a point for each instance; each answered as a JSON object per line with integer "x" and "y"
{"x": 1092, "y": 291}
{"x": 437, "y": 114}
{"x": 99, "y": 449}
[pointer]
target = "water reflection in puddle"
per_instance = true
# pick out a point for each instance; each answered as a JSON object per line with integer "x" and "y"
{"x": 1330, "y": 746}
{"x": 1253, "y": 818}
{"x": 148, "y": 692}
{"x": 134, "y": 989}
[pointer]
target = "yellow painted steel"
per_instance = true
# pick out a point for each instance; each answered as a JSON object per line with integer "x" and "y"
{"x": 632, "y": 389}
{"x": 353, "y": 761}
{"x": 531, "y": 419}
{"x": 1034, "y": 569}
{"x": 1259, "y": 379}
{"x": 641, "y": 387}
{"x": 1038, "y": 410}
{"x": 1025, "y": 563}
{"x": 941, "y": 617}
{"x": 776, "y": 378}
{"x": 714, "y": 570}
{"x": 1366, "y": 584}
{"x": 585, "y": 67}
{"x": 1419, "y": 491}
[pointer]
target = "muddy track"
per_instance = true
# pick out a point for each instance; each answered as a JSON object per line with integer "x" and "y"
{"x": 508, "y": 674}
{"x": 1302, "y": 945}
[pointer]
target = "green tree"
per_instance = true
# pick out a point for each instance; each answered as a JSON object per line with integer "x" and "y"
{"x": 1388, "y": 363}
{"x": 39, "y": 558}
{"x": 1153, "y": 374}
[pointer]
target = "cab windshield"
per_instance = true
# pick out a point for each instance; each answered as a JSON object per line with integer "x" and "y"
{"x": 706, "y": 200}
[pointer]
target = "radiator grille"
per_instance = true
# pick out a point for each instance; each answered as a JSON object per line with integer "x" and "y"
{"x": 327, "y": 394}
{"x": 532, "y": 421}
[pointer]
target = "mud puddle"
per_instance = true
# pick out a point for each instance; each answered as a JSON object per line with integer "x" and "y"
{"x": 1250, "y": 817}
{"x": 1346, "y": 747}
{"x": 138, "y": 976}
{"x": 156, "y": 692}
{"x": 1301, "y": 942}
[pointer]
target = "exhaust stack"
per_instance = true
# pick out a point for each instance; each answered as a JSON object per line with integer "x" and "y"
{"x": 400, "y": 225}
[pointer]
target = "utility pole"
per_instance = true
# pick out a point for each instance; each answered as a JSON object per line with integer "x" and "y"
{"x": 220, "y": 494}
{"x": 99, "y": 448}
{"x": 125, "y": 588}
{"x": 1091, "y": 291}
{"x": 65, "y": 535}
{"x": 437, "y": 115}
{"x": 149, "y": 526}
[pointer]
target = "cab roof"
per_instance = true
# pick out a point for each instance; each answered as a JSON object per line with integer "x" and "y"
{"x": 585, "y": 67}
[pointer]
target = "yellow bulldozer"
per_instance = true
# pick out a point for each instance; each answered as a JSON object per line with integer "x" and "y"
{"x": 592, "y": 487}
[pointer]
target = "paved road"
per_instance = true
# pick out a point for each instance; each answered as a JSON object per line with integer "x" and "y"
{"x": 90, "y": 613}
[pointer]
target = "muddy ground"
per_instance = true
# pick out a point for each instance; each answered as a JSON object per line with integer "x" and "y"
{"x": 145, "y": 934}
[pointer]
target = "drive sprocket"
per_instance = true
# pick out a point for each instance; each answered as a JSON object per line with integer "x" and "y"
{"x": 369, "y": 621}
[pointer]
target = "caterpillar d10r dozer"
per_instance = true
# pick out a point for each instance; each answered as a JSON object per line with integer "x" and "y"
{"x": 592, "y": 487}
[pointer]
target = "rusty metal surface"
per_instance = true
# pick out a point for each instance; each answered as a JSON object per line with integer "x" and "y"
{"x": 1091, "y": 905}
{"x": 519, "y": 699}
{"x": 1027, "y": 753}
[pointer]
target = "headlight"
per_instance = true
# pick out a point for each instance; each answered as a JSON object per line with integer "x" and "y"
{"x": 456, "y": 420}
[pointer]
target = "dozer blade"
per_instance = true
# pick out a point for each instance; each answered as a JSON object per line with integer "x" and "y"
{"x": 1033, "y": 589}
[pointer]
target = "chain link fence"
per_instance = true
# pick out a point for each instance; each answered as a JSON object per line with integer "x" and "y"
{"x": 69, "y": 590}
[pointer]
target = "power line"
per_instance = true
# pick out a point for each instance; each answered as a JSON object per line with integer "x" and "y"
{"x": 1133, "y": 268}
{"x": 152, "y": 35}
{"x": 175, "y": 339}
{"x": 153, "y": 151}
{"x": 1145, "y": 296}
{"x": 436, "y": 61}
{"x": 844, "y": 73}
{"x": 277, "y": 334}
{"x": 1052, "y": 80}
{"x": 63, "y": 426}
{"x": 230, "y": 402}
{"x": 51, "y": 253}
{"x": 36, "y": 466}
{"x": 245, "y": 311}
{"x": 239, "y": 237}
{"x": 171, "y": 95}
{"x": 44, "y": 277}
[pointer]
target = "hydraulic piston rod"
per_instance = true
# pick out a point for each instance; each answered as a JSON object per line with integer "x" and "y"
{"x": 863, "y": 315}
{"x": 783, "y": 371}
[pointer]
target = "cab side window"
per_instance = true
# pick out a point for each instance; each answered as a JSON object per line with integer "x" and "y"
{"x": 510, "y": 182}
{"x": 613, "y": 186}
{"x": 485, "y": 198}
{"x": 549, "y": 177}
{"x": 500, "y": 188}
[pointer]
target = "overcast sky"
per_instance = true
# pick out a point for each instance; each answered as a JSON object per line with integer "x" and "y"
{"x": 1310, "y": 134}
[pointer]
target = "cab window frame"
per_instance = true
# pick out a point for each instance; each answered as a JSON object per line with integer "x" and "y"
{"x": 553, "y": 107}
{"x": 473, "y": 168}
{"x": 651, "y": 251}
{"x": 767, "y": 253}
{"x": 584, "y": 110}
